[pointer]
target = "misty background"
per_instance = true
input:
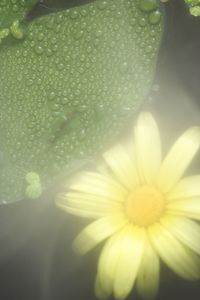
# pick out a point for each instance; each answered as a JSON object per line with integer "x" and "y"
{"x": 36, "y": 258}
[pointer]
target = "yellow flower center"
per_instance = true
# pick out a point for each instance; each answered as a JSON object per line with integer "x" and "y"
{"x": 145, "y": 205}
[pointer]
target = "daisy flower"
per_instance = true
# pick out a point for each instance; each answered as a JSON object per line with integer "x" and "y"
{"x": 144, "y": 210}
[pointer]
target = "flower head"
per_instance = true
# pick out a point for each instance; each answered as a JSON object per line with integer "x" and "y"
{"x": 144, "y": 211}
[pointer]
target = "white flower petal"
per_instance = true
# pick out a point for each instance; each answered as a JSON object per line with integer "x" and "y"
{"x": 148, "y": 277}
{"x": 148, "y": 147}
{"x": 179, "y": 258}
{"x": 187, "y": 231}
{"x": 100, "y": 185}
{"x": 178, "y": 159}
{"x": 98, "y": 231}
{"x": 189, "y": 207}
{"x": 187, "y": 187}
{"x": 122, "y": 166}
{"x": 120, "y": 260}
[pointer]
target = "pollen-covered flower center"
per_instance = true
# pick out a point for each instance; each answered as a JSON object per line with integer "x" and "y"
{"x": 144, "y": 205}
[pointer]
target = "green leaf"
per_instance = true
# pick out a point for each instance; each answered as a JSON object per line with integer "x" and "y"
{"x": 12, "y": 12}
{"x": 70, "y": 87}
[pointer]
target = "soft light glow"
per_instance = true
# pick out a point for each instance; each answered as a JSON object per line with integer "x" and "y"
{"x": 143, "y": 208}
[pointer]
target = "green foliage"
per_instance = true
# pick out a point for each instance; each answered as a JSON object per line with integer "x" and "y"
{"x": 70, "y": 86}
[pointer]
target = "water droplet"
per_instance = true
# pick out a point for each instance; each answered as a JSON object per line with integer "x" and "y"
{"x": 52, "y": 96}
{"x": 64, "y": 100}
{"x": 102, "y": 4}
{"x": 60, "y": 66}
{"x": 49, "y": 52}
{"x": 96, "y": 42}
{"x": 123, "y": 67}
{"x": 142, "y": 22}
{"x": 16, "y": 30}
{"x": 78, "y": 34}
{"x": 84, "y": 12}
{"x": 4, "y": 33}
{"x": 155, "y": 17}
{"x": 40, "y": 36}
{"x": 32, "y": 177}
{"x": 55, "y": 107}
{"x": 148, "y": 5}
{"x": 55, "y": 48}
{"x": 39, "y": 50}
{"x": 59, "y": 19}
{"x": 29, "y": 82}
{"x": 15, "y": 8}
{"x": 98, "y": 33}
{"x": 89, "y": 49}
{"x": 74, "y": 14}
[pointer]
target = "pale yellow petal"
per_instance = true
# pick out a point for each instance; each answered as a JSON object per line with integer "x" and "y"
{"x": 98, "y": 231}
{"x": 130, "y": 255}
{"x": 99, "y": 291}
{"x": 80, "y": 212}
{"x": 189, "y": 207}
{"x": 90, "y": 206}
{"x": 177, "y": 257}
{"x": 119, "y": 262}
{"x": 107, "y": 264}
{"x": 187, "y": 231}
{"x": 92, "y": 202}
{"x": 178, "y": 159}
{"x": 148, "y": 147}
{"x": 122, "y": 165}
{"x": 100, "y": 185}
{"x": 186, "y": 187}
{"x": 148, "y": 277}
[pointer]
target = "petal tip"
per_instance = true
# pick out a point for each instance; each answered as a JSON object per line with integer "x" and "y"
{"x": 193, "y": 133}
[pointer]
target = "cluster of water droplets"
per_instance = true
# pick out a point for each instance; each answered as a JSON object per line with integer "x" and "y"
{"x": 152, "y": 8}
{"x": 11, "y": 14}
{"x": 194, "y": 7}
{"x": 69, "y": 87}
